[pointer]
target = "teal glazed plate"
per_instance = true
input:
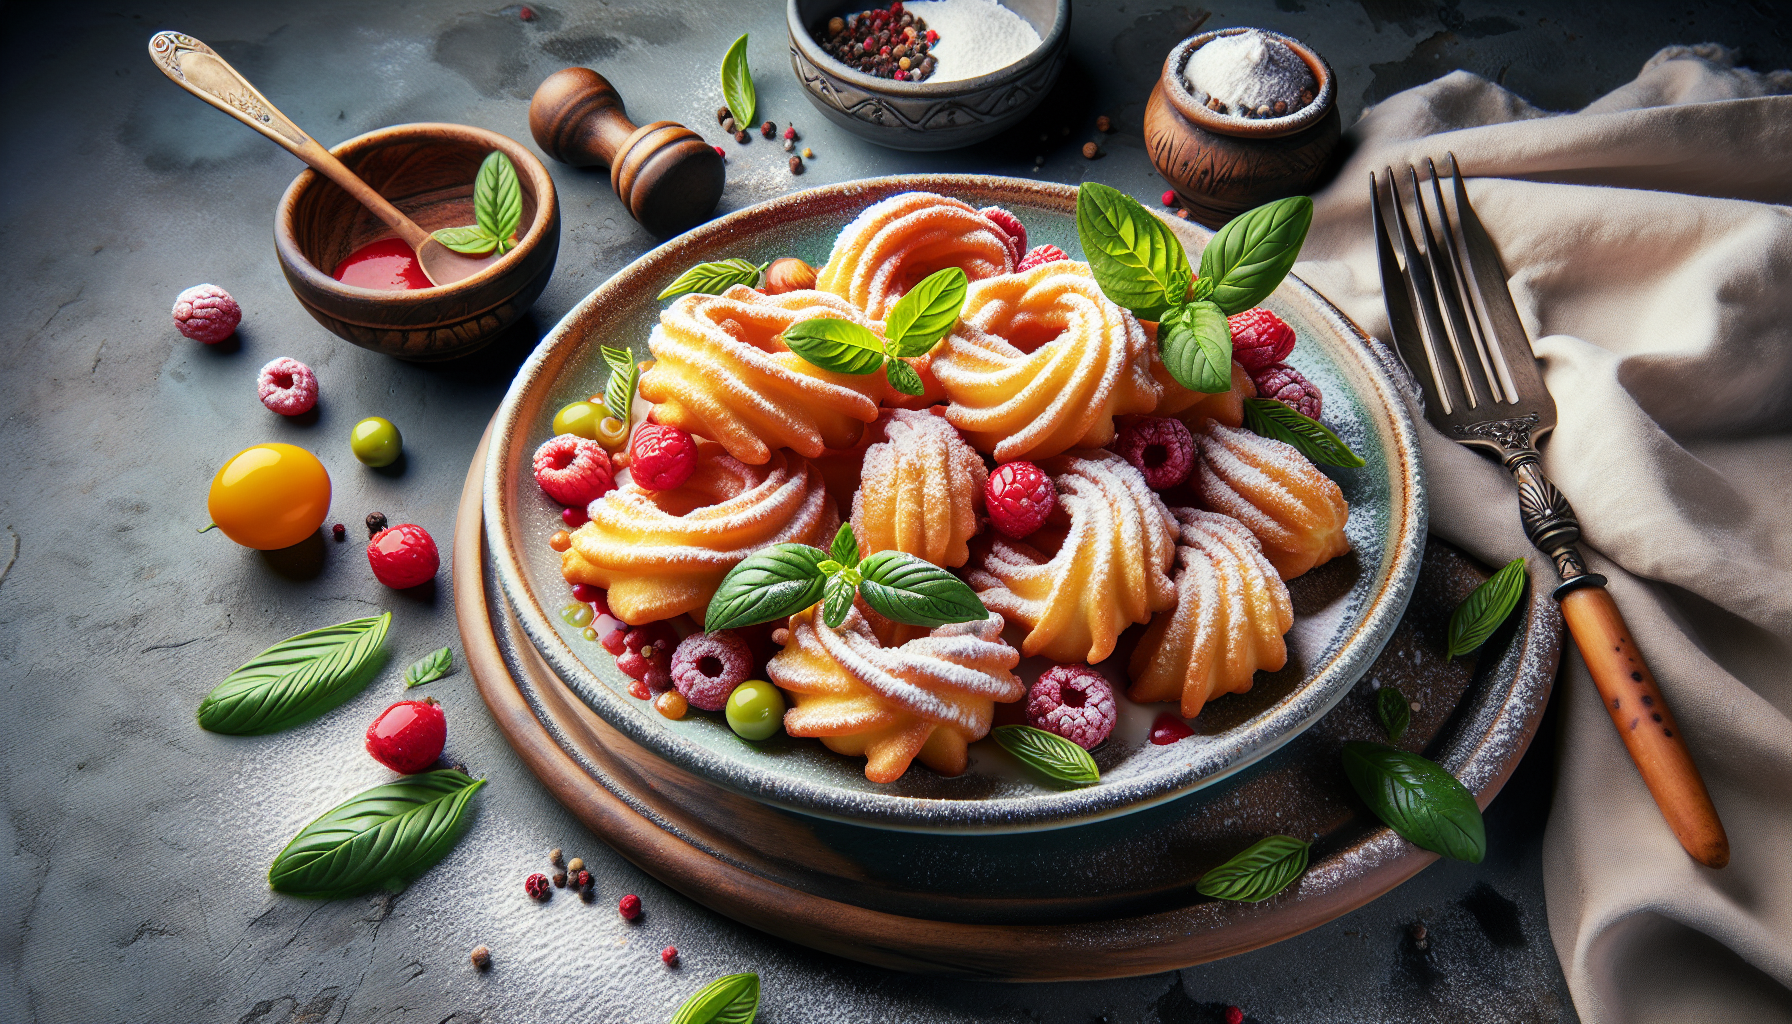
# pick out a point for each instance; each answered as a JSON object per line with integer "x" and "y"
{"x": 1345, "y": 611}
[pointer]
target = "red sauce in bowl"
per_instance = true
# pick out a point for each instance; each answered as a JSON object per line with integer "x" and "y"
{"x": 385, "y": 264}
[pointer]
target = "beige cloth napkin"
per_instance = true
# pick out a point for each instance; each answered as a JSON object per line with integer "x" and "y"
{"x": 1653, "y": 270}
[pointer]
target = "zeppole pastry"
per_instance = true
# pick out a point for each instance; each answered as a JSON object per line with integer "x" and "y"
{"x": 919, "y": 490}
{"x": 663, "y": 553}
{"x": 720, "y": 372}
{"x": 897, "y": 243}
{"x": 924, "y": 699}
{"x": 1110, "y": 569}
{"x": 1296, "y": 512}
{"x": 1231, "y": 611}
{"x": 1193, "y": 407}
{"x": 1041, "y": 362}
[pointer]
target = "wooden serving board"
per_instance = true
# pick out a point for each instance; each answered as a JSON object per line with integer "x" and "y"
{"x": 1107, "y": 899}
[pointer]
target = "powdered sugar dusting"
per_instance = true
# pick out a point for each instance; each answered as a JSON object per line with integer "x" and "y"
{"x": 894, "y": 244}
{"x": 1297, "y": 512}
{"x": 919, "y": 490}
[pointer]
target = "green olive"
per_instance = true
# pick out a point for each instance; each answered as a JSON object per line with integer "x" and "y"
{"x": 579, "y": 419}
{"x": 376, "y": 442}
{"x": 612, "y": 433}
{"x": 755, "y": 710}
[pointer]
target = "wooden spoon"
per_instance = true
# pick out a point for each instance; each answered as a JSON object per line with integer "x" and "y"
{"x": 196, "y": 68}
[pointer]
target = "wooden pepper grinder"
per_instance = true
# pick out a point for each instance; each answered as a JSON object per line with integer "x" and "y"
{"x": 664, "y": 173}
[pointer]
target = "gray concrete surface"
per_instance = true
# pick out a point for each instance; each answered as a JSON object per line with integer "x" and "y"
{"x": 133, "y": 845}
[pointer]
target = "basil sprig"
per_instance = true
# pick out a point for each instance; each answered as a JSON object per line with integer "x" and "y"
{"x": 1394, "y": 711}
{"x": 497, "y": 210}
{"x": 1196, "y": 344}
{"x": 737, "y": 84}
{"x": 1048, "y": 753}
{"x": 383, "y": 837}
{"x": 429, "y": 668}
{"x": 1417, "y": 799}
{"x": 730, "y": 999}
{"x": 625, "y": 375}
{"x": 1261, "y": 870}
{"x": 713, "y": 278}
{"x": 1479, "y": 614}
{"x": 1136, "y": 258}
{"x": 1273, "y": 419}
{"x": 788, "y": 578}
{"x": 913, "y": 327}
{"x": 1248, "y": 258}
{"x": 296, "y": 679}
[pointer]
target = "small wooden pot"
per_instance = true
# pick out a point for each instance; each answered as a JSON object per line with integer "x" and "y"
{"x": 426, "y": 170}
{"x": 1221, "y": 166}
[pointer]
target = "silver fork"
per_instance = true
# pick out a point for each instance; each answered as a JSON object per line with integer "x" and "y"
{"x": 1459, "y": 334}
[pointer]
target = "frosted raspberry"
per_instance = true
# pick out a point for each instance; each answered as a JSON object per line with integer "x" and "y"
{"x": 1286, "y": 385}
{"x": 647, "y": 654}
{"x": 660, "y": 457}
{"x": 206, "y": 312}
{"x": 1014, "y": 233}
{"x": 1075, "y": 702}
{"x": 708, "y": 666}
{"x": 1158, "y": 447}
{"x": 1019, "y": 496}
{"x": 1040, "y": 255}
{"x": 287, "y": 386}
{"x": 403, "y": 556}
{"x": 1260, "y": 339}
{"x": 573, "y": 470}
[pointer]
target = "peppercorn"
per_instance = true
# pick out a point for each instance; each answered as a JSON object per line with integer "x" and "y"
{"x": 1281, "y": 106}
{"x": 554, "y": 856}
{"x": 481, "y": 957}
{"x": 1421, "y": 939}
{"x": 836, "y": 26}
{"x": 741, "y": 136}
{"x": 559, "y": 879}
{"x": 768, "y": 129}
{"x": 339, "y": 531}
{"x": 808, "y": 154}
{"x": 629, "y": 906}
{"x": 1214, "y": 104}
{"x": 728, "y": 125}
{"x": 796, "y": 165}
{"x": 537, "y": 887}
{"x": 721, "y": 115}
{"x": 376, "y": 521}
{"x": 575, "y": 865}
{"x": 1184, "y": 214}
{"x": 904, "y": 63}
{"x": 1234, "y": 1015}
{"x": 1103, "y": 125}
{"x": 669, "y": 956}
{"x": 789, "y": 145}
{"x": 525, "y": 14}
{"x": 560, "y": 541}
{"x": 584, "y": 880}
{"x": 1090, "y": 150}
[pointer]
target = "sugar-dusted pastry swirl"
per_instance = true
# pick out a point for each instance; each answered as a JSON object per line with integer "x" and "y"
{"x": 663, "y": 553}
{"x": 895, "y": 244}
{"x": 720, "y": 371}
{"x": 919, "y": 490}
{"x": 1193, "y": 407}
{"x": 1296, "y": 512}
{"x": 1110, "y": 570}
{"x": 926, "y": 698}
{"x": 1231, "y": 611}
{"x": 1041, "y": 362}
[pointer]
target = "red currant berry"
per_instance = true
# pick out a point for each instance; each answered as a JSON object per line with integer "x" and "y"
{"x": 1019, "y": 496}
{"x": 661, "y": 457}
{"x": 408, "y": 736}
{"x": 403, "y": 556}
{"x": 586, "y": 593}
{"x": 574, "y": 516}
{"x": 629, "y": 906}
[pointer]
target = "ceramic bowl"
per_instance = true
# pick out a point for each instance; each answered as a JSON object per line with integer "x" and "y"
{"x": 1221, "y": 166}
{"x": 427, "y": 171}
{"x": 927, "y": 115}
{"x": 1345, "y": 611}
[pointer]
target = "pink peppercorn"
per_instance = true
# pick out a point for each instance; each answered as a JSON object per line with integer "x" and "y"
{"x": 669, "y": 956}
{"x": 1169, "y": 197}
{"x": 1234, "y": 1015}
{"x": 720, "y": 151}
{"x": 339, "y": 531}
{"x": 901, "y": 75}
{"x": 629, "y": 906}
{"x": 538, "y": 887}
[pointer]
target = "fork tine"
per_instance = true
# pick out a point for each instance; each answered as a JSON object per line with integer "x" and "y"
{"x": 1510, "y": 348}
{"x": 1449, "y": 313}
{"x": 1403, "y": 323}
{"x": 1463, "y": 319}
{"x": 1422, "y": 293}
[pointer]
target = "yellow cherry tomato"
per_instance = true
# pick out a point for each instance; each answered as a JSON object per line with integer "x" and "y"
{"x": 579, "y": 419}
{"x": 270, "y": 496}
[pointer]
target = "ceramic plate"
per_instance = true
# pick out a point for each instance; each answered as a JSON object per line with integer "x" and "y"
{"x": 1345, "y": 611}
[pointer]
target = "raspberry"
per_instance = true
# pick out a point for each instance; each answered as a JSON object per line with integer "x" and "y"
{"x": 1019, "y": 496}
{"x": 1158, "y": 447}
{"x": 1014, "y": 234}
{"x": 1075, "y": 702}
{"x": 403, "y": 556}
{"x": 1040, "y": 255}
{"x": 708, "y": 666}
{"x": 669, "y": 956}
{"x": 1234, "y": 1015}
{"x": 1286, "y": 385}
{"x": 661, "y": 458}
{"x": 287, "y": 386}
{"x": 1169, "y": 197}
{"x": 206, "y": 312}
{"x": 1260, "y": 339}
{"x": 573, "y": 470}
{"x": 647, "y": 654}
{"x": 538, "y": 887}
{"x": 629, "y": 906}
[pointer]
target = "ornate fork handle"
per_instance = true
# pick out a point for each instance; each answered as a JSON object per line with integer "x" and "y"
{"x": 1548, "y": 518}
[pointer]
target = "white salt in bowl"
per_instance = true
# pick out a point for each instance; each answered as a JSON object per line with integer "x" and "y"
{"x": 929, "y": 115}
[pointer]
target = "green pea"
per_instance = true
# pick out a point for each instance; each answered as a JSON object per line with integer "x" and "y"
{"x": 755, "y": 710}
{"x": 376, "y": 441}
{"x": 579, "y": 419}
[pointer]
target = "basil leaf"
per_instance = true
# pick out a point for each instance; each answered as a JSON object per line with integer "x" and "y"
{"x": 1254, "y": 251}
{"x": 730, "y": 999}
{"x": 497, "y": 198}
{"x": 1479, "y": 614}
{"x": 1270, "y": 418}
{"x": 737, "y": 84}
{"x": 838, "y": 345}
{"x": 836, "y": 599}
{"x": 1394, "y": 710}
{"x": 296, "y": 679}
{"x": 473, "y": 241}
{"x": 1196, "y": 346}
{"x": 383, "y": 837}
{"x": 1417, "y": 799}
{"x": 1201, "y": 289}
{"x": 625, "y": 375}
{"x": 903, "y": 588}
{"x": 1263, "y": 869}
{"x": 1135, "y": 257}
{"x": 845, "y": 548}
{"x": 926, "y": 314}
{"x": 429, "y": 668}
{"x": 903, "y": 377}
{"x": 772, "y": 584}
{"x": 712, "y": 278}
{"x": 1048, "y": 754}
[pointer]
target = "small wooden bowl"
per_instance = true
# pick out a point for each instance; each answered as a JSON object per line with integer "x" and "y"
{"x": 1221, "y": 166}
{"x": 426, "y": 170}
